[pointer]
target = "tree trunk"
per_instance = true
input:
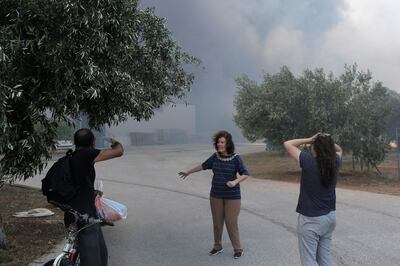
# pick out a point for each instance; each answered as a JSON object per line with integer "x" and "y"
{"x": 377, "y": 169}
{"x": 3, "y": 237}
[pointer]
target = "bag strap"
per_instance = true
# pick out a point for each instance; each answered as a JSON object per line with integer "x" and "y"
{"x": 69, "y": 154}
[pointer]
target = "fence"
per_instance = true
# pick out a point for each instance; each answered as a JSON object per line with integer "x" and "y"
{"x": 390, "y": 167}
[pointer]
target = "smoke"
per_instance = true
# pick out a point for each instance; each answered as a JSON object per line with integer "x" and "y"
{"x": 232, "y": 37}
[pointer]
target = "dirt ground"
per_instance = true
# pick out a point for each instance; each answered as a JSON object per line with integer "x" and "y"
{"x": 28, "y": 237}
{"x": 275, "y": 166}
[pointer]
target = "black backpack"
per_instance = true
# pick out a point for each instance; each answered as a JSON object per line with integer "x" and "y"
{"x": 59, "y": 185}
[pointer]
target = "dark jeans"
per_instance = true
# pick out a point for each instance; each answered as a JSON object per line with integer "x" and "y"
{"x": 92, "y": 247}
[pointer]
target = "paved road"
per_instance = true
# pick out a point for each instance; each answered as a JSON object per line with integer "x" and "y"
{"x": 169, "y": 219}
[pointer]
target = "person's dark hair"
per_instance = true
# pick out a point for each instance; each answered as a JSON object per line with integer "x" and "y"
{"x": 230, "y": 146}
{"x": 84, "y": 138}
{"x": 324, "y": 147}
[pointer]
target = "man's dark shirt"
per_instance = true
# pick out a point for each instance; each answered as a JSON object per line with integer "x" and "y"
{"x": 83, "y": 171}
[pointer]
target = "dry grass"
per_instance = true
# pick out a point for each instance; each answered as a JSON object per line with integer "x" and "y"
{"x": 29, "y": 237}
{"x": 275, "y": 166}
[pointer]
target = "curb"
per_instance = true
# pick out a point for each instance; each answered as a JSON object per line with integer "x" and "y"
{"x": 52, "y": 254}
{"x": 25, "y": 186}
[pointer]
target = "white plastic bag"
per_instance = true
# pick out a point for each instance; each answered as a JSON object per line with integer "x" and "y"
{"x": 110, "y": 210}
{"x": 98, "y": 185}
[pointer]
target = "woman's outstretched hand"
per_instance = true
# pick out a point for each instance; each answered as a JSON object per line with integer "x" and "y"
{"x": 183, "y": 175}
{"x": 232, "y": 184}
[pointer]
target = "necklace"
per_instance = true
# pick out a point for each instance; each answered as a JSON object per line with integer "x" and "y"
{"x": 225, "y": 159}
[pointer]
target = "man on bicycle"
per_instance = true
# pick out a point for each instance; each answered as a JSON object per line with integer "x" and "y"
{"x": 91, "y": 245}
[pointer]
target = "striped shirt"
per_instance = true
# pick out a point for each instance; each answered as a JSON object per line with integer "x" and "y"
{"x": 225, "y": 170}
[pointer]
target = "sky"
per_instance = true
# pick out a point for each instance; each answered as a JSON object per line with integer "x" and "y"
{"x": 253, "y": 37}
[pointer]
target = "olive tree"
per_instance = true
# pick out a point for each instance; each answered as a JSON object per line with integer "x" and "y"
{"x": 60, "y": 58}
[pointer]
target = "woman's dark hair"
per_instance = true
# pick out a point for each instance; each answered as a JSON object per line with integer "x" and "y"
{"x": 84, "y": 138}
{"x": 230, "y": 146}
{"x": 324, "y": 147}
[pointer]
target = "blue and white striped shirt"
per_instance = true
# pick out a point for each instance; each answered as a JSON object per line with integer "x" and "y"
{"x": 225, "y": 170}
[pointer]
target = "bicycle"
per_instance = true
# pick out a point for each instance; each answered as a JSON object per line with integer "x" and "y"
{"x": 70, "y": 255}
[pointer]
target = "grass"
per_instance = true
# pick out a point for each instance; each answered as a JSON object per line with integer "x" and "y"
{"x": 275, "y": 166}
{"x": 28, "y": 237}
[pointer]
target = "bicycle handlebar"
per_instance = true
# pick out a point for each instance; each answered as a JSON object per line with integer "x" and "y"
{"x": 78, "y": 216}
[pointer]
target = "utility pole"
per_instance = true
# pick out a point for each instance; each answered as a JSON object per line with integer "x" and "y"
{"x": 398, "y": 152}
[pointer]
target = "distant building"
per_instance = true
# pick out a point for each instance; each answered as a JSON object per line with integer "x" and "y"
{"x": 170, "y": 124}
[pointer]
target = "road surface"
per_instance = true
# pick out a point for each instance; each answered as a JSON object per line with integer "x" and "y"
{"x": 169, "y": 221}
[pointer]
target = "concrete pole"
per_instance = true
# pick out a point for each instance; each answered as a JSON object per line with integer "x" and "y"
{"x": 398, "y": 152}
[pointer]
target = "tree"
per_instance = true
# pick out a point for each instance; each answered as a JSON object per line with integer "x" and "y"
{"x": 394, "y": 118}
{"x": 64, "y": 132}
{"x": 351, "y": 107}
{"x": 324, "y": 101}
{"x": 251, "y": 112}
{"x": 58, "y": 59}
{"x": 366, "y": 121}
{"x": 284, "y": 107}
{"x": 262, "y": 109}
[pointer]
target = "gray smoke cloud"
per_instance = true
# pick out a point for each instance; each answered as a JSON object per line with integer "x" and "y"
{"x": 232, "y": 37}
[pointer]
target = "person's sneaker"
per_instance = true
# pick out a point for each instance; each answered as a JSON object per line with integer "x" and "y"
{"x": 237, "y": 254}
{"x": 215, "y": 251}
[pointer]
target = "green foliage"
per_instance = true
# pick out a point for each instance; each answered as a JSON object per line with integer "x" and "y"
{"x": 351, "y": 107}
{"x": 65, "y": 132}
{"x": 251, "y": 110}
{"x": 284, "y": 107}
{"x": 394, "y": 117}
{"x": 366, "y": 119}
{"x": 108, "y": 59}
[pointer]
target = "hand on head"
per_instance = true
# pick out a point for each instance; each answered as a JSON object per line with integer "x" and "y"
{"x": 320, "y": 134}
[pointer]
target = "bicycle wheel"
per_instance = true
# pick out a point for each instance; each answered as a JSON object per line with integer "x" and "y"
{"x": 78, "y": 261}
{"x": 49, "y": 263}
{"x": 63, "y": 262}
{"x": 66, "y": 262}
